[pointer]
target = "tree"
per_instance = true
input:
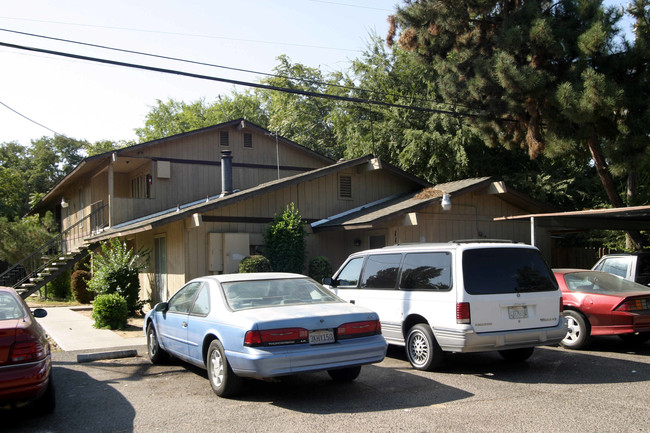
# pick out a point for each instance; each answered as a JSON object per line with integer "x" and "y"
{"x": 284, "y": 241}
{"x": 21, "y": 237}
{"x": 541, "y": 74}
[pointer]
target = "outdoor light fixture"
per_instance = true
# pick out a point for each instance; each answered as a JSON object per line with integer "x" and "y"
{"x": 64, "y": 203}
{"x": 446, "y": 202}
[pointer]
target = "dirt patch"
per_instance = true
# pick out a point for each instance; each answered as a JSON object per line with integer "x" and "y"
{"x": 133, "y": 328}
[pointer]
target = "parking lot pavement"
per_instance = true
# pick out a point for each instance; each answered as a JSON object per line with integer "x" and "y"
{"x": 73, "y": 331}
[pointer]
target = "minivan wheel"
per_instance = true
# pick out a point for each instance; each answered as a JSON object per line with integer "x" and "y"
{"x": 422, "y": 349}
{"x": 577, "y": 336}
{"x": 517, "y": 355}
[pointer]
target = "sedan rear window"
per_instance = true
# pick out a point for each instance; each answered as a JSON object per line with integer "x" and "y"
{"x": 276, "y": 292}
{"x": 601, "y": 282}
{"x": 10, "y": 308}
{"x": 506, "y": 270}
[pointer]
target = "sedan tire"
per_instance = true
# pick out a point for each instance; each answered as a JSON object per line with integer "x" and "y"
{"x": 223, "y": 381}
{"x": 422, "y": 349}
{"x": 157, "y": 354}
{"x": 345, "y": 374}
{"x": 577, "y": 336}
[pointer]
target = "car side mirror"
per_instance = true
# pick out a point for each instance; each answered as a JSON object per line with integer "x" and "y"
{"x": 39, "y": 313}
{"x": 161, "y": 306}
{"x": 329, "y": 281}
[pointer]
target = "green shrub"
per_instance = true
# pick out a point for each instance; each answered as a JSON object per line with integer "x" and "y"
{"x": 284, "y": 241}
{"x": 116, "y": 270}
{"x": 319, "y": 268}
{"x": 110, "y": 311}
{"x": 80, "y": 290}
{"x": 255, "y": 263}
{"x": 60, "y": 286}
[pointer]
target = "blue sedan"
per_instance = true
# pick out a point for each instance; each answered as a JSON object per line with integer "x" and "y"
{"x": 263, "y": 325}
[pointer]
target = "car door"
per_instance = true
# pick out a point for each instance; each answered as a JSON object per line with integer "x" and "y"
{"x": 172, "y": 326}
{"x": 198, "y": 323}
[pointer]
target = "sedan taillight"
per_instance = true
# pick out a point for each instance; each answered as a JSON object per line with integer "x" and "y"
{"x": 358, "y": 329}
{"x": 276, "y": 337}
{"x": 26, "y": 351}
{"x": 631, "y": 305}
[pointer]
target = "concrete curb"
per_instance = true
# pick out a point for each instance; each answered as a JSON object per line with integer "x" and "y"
{"x": 89, "y": 357}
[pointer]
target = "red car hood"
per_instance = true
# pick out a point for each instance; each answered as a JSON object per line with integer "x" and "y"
{"x": 7, "y": 337}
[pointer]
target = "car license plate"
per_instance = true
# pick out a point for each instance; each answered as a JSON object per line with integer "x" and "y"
{"x": 322, "y": 336}
{"x": 518, "y": 312}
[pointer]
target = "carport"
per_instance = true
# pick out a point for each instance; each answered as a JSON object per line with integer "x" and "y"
{"x": 622, "y": 218}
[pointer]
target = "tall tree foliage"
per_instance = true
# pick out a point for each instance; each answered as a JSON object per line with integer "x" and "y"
{"x": 543, "y": 74}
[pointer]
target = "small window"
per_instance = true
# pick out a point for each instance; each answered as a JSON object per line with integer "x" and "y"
{"x": 248, "y": 140}
{"x": 345, "y": 187}
{"x": 201, "y": 306}
{"x": 381, "y": 271}
{"x": 349, "y": 275}
{"x": 223, "y": 138}
{"x": 426, "y": 271}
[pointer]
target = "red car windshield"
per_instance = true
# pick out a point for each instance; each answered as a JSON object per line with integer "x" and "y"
{"x": 602, "y": 283}
{"x": 10, "y": 307}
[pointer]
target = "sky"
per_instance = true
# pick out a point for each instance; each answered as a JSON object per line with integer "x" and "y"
{"x": 93, "y": 102}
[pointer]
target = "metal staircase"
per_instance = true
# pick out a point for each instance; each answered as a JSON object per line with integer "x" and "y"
{"x": 55, "y": 256}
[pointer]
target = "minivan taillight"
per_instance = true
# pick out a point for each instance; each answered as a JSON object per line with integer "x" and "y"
{"x": 462, "y": 312}
{"x": 358, "y": 329}
{"x": 561, "y": 304}
{"x": 26, "y": 351}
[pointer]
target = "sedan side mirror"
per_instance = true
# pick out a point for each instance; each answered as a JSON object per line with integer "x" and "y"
{"x": 161, "y": 306}
{"x": 39, "y": 313}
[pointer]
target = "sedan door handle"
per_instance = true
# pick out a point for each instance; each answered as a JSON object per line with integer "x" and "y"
{"x": 184, "y": 324}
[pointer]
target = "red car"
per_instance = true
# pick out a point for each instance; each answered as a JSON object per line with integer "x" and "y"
{"x": 25, "y": 357}
{"x": 599, "y": 303}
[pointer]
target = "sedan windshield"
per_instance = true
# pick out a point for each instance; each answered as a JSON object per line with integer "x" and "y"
{"x": 266, "y": 293}
{"x": 601, "y": 282}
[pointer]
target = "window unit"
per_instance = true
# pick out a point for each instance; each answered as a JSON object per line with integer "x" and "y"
{"x": 141, "y": 186}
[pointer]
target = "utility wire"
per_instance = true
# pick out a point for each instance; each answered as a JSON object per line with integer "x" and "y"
{"x": 31, "y": 120}
{"x": 238, "y": 82}
{"x": 248, "y": 71}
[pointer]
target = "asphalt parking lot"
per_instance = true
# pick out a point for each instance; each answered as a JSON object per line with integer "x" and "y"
{"x": 603, "y": 389}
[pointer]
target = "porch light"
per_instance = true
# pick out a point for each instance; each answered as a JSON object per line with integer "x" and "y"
{"x": 446, "y": 202}
{"x": 64, "y": 203}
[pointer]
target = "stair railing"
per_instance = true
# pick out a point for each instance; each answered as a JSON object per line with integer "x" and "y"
{"x": 60, "y": 245}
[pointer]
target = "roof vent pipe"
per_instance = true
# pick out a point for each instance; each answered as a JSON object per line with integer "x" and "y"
{"x": 226, "y": 172}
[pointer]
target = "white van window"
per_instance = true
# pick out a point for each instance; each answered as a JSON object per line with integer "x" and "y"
{"x": 426, "y": 271}
{"x": 349, "y": 275}
{"x": 505, "y": 270}
{"x": 381, "y": 271}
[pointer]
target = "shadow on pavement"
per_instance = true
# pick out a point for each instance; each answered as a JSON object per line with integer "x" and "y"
{"x": 99, "y": 407}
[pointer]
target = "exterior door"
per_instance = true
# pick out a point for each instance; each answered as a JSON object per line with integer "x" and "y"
{"x": 160, "y": 268}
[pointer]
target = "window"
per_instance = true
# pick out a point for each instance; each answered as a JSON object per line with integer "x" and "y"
{"x": 616, "y": 265}
{"x": 426, "y": 271}
{"x": 248, "y": 139}
{"x": 141, "y": 186}
{"x": 489, "y": 271}
{"x": 345, "y": 187}
{"x": 381, "y": 271}
{"x": 202, "y": 304}
{"x": 223, "y": 138}
{"x": 182, "y": 300}
{"x": 349, "y": 275}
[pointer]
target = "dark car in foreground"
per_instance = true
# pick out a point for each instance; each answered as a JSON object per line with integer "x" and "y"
{"x": 25, "y": 357}
{"x": 263, "y": 325}
{"x": 599, "y": 303}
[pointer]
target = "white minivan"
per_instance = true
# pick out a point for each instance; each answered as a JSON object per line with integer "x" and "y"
{"x": 462, "y": 296}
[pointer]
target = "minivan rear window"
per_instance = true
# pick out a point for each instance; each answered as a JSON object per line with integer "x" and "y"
{"x": 506, "y": 270}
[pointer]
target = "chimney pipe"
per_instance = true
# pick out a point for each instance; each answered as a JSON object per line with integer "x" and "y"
{"x": 226, "y": 172}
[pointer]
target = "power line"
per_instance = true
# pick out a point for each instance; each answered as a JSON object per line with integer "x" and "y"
{"x": 238, "y": 82}
{"x": 31, "y": 120}
{"x": 248, "y": 71}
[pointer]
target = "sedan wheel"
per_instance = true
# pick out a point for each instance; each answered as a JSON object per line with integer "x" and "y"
{"x": 577, "y": 336}
{"x": 422, "y": 349}
{"x": 223, "y": 381}
{"x": 156, "y": 354}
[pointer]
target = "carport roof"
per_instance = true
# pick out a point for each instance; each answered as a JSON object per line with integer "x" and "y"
{"x": 623, "y": 218}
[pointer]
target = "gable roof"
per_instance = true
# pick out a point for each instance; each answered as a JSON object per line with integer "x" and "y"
{"x": 92, "y": 163}
{"x": 211, "y": 203}
{"x": 394, "y": 207}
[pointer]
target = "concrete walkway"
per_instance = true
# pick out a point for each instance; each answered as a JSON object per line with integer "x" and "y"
{"x": 74, "y": 331}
